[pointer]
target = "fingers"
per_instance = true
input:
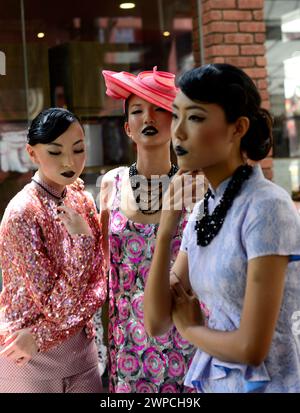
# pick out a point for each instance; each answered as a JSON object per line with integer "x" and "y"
{"x": 69, "y": 214}
{"x": 15, "y": 355}
{"x": 10, "y": 339}
{"x": 186, "y": 189}
{"x": 9, "y": 349}
{"x": 173, "y": 198}
{"x": 65, "y": 210}
{"x": 65, "y": 214}
{"x": 194, "y": 190}
{"x": 10, "y": 352}
{"x": 22, "y": 361}
{"x": 179, "y": 291}
{"x": 65, "y": 219}
{"x": 18, "y": 357}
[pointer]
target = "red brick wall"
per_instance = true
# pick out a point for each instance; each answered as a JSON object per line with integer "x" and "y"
{"x": 233, "y": 31}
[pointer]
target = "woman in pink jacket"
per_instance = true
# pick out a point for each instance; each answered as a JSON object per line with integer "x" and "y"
{"x": 52, "y": 262}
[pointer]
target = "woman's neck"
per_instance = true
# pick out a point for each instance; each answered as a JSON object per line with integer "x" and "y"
{"x": 218, "y": 173}
{"x": 154, "y": 161}
{"x": 57, "y": 187}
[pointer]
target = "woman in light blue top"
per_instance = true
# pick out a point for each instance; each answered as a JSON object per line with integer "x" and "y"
{"x": 241, "y": 248}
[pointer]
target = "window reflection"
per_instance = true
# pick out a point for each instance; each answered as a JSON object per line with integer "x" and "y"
{"x": 58, "y": 58}
{"x": 283, "y": 57}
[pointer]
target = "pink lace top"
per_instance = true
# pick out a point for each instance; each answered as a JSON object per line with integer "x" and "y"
{"x": 138, "y": 363}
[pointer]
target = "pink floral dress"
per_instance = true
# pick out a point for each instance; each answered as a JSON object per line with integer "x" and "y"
{"x": 137, "y": 362}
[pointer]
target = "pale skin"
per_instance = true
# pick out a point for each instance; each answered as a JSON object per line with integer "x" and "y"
{"x": 214, "y": 146}
{"x": 66, "y": 153}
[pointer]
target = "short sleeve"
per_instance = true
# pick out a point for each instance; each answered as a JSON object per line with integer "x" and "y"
{"x": 272, "y": 227}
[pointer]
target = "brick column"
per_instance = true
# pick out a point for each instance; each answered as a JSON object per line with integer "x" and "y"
{"x": 233, "y": 31}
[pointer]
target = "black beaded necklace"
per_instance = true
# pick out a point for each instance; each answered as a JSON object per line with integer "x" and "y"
{"x": 135, "y": 185}
{"x": 208, "y": 226}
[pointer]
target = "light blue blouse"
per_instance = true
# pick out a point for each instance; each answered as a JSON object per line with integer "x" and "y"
{"x": 262, "y": 221}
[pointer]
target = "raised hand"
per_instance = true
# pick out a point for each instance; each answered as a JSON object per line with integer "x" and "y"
{"x": 74, "y": 222}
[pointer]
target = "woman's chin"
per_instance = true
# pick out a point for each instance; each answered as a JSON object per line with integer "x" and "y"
{"x": 185, "y": 165}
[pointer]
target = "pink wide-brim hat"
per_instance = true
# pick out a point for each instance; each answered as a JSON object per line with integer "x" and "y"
{"x": 153, "y": 86}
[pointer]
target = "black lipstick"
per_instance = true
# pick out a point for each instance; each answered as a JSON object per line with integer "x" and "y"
{"x": 68, "y": 174}
{"x": 149, "y": 131}
{"x": 180, "y": 151}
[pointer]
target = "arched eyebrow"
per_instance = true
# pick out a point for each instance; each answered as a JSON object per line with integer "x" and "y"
{"x": 191, "y": 107}
{"x": 80, "y": 140}
{"x": 59, "y": 145}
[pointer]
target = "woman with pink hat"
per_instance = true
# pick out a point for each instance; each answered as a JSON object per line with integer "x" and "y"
{"x": 131, "y": 201}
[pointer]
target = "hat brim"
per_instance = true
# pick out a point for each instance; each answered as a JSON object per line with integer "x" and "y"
{"x": 122, "y": 88}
